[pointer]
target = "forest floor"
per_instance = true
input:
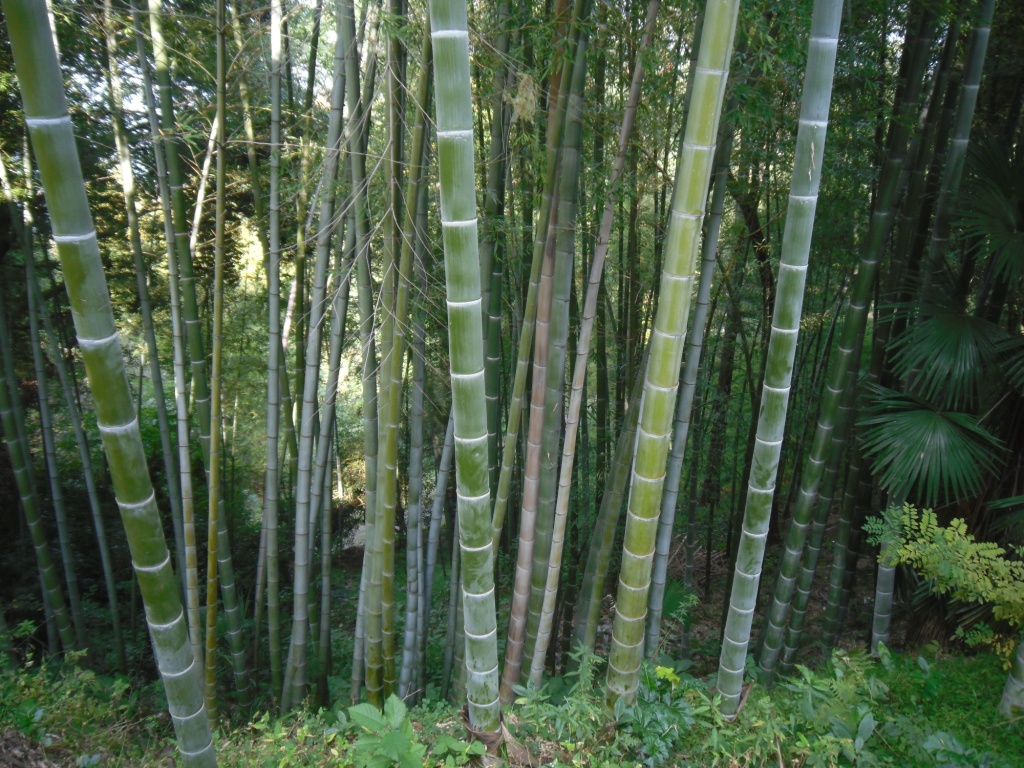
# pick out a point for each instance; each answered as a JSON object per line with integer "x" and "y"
{"x": 927, "y": 706}
{"x": 19, "y": 751}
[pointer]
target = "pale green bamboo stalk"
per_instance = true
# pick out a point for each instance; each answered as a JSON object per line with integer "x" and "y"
{"x": 272, "y": 481}
{"x": 926, "y": 157}
{"x": 394, "y": 330}
{"x": 57, "y": 158}
{"x": 369, "y": 610}
{"x": 204, "y": 178}
{"x": 115, "y": 98}
{"x": 812, "y": 551}
{"x": 970, "y": 85}
{"x": 338, "y": 295}
{"x": 667, "y": 338}
{"x": 855, "y": 314}
{"x": 324, "y": 659}
{"x": 419, "y": 331}
{"x": 586, "y": 332}
{"x": 1012, "y": 700}
{"x": 535, "y": 323}
{"x": 250, "y": 143}
{"x": 408, "y": 235}
{"x": 603, "y": 538}
{"x": 556, "y": 123}
{"x": 359, "y": 665}
{"x": 193, "y": 329}
{"x": 297, "y": 297}
{"x": 494, "y": 204}
{"x": 454, "y": 109}
{"x": 320, "y": 495}
{"x": 22, "y": 223}
{"x": 171, "y": 145}
{"x": 180, "y": 398}
{"x": 437, "y": 511}
{"x": 833, "y": 621}
{"x": 771, "y": 425}
{"x": 563, "y": 226}
{"x": 412, "y": 674}
{"x": 300, "y": 624}
{"x": 84, "y": 456}
{"x": 515, "y": 645}
{"x": 454, "y": 610}
{"x": 885, "y": 584}
{"x": 216, "y": 442}
{"x": 414, "y": 522}
{"x": 684, "y": 407}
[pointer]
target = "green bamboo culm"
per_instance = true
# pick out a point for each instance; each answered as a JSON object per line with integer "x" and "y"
{"x": 50, "y": 129}
{"x": 693, "y": 175}
{"x": 454, "y": 108}
{"x": 21, "y": 465}
{"x": 771, "y": 425}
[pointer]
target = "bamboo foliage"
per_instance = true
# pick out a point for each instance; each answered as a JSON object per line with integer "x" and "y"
{"x": 50, "y": 128}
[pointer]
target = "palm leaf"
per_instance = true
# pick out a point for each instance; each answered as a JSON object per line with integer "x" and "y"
{"x": 1012, "y": 352}
{"x": 915, "y": 448}
{"x": 1009, "y": 513}
{"x": 944, "y": 357}
{"x": 993, "y": 209}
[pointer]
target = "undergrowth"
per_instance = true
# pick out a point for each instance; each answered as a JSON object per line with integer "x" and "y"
{"x": 899, "y": 710}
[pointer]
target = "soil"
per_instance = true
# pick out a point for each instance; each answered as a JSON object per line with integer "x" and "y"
{"x": 19, "y": 751}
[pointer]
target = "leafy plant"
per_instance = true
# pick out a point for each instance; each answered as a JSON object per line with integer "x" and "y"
{"x": 387, "y": 739}
{"x": 453, "y": 751}
{"x": 954, "y": 563}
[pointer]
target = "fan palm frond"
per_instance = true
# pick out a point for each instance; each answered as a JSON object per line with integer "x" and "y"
{"x": 1011, "y": 350}
{"x": 1010, "y": 513}
{"x": 993, "y": 206}
{"x": 944, "y": 356}
{"x": 916, "y": 448}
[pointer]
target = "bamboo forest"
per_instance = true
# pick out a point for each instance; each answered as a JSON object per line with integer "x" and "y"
{"x": 574, "y": 383}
